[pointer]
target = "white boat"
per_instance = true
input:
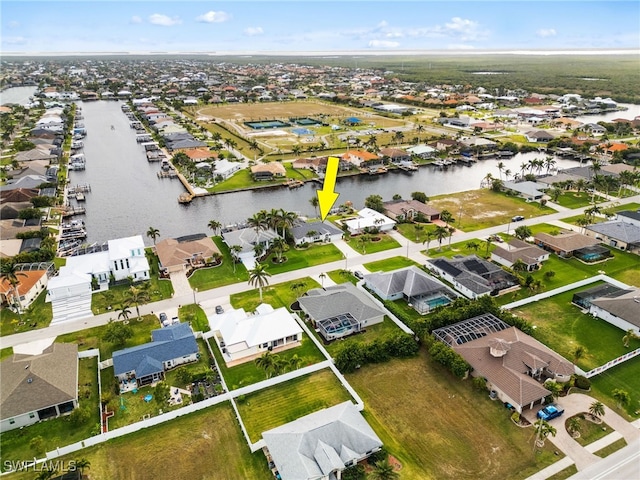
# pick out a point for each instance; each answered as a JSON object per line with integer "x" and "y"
{"x": 80, "y": 197}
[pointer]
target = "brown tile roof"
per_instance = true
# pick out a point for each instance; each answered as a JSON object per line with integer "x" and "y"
{"x": 401, "y": 207}
{"x": 566, "y": 241}
{"x": 171, "y": 252}
{"x": 200, "y": 153}
{"x": 32, "y": 382}
{"x": 26, "y": 279}
{"x": 518, "y": 250}
{"x": 273, "y": 167}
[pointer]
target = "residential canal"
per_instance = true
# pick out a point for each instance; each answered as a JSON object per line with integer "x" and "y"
{"x": 18, "y": 95}
{"x": 127, "y": 197}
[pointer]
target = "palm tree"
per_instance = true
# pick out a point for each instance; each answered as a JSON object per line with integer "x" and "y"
{"x": 258, "y": 221}
{"x": 440, "y": 234}
{"x": 138, "y": 295}
{"x": 9, "y": 273}
{"x": 574, "y": 426}
{"x": 501, "y": 166}
{"x": 258, "y": 250}
{"x": 447, "y": 217}
{"x": 522, "y": 232}
{"x": 214, "y": 225}
{"x": 153, "y": 234}
{"x": 82, "y": 464}
{"x": 418, "y": 229}
{"x": 628, "y": 336}
{"x": 322, "y": 276}
{"x": 383, "y": 470}
{"x": 427, "y": 239}
{"x": 288, "y": 219}
{"x": 549, "y": 163}
{"x": 362, "y": 241}
{"x": 235, "y": 250}
{"x": 554, "y": 387}
{"x": 471, "y": 245}
{"x": 259, "y": 277}
{"x": 621, "y": 397}
{"x": 451, "y": 230}
{"x": 294, "y": 362}
{"x": 267, "y": 363}
{"x": 124, "y": 311}
{"x": 488, "y": 242}
{"x": 578, "y": 353}
{"x": 314, "y": 203}
{"x": 596, "y": 409}
{"x": 543, "y": 430}
{"x": 298, "y": 286}
{"x": 277, "y": 246}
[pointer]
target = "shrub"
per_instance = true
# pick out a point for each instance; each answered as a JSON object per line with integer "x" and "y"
{"x": 582, "y": 382}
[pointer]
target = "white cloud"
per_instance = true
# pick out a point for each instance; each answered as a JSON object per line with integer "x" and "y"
{"x": 546, "y": 32}
{"x": 213, "y": 17}
{"x": 135, "y": 19}
{"x": 383, "y": 44}
{"x": 461, "y": 29}
{"x": 14, "y": 40}
{"x": 253, "y": 31}
{"x": 164, "y": 20}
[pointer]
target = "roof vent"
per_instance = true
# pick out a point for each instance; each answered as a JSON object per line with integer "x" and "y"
{"x": 26, "y": 366}
{"x": 29, "y": 380}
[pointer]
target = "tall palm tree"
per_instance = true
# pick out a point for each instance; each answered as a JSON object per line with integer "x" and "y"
{"x": 428, "y": 238}
{"x": 440, "y": 234}
{"x": 258, "y": 221}
{"x": 549, "y": 163}
{"x": 277, "y": 246}
{"x": 153, "y": 234}
{"x": 9, "y": 273}
{"x": 501, "y": 166}
{"x": 82, "y": 464}
{"x": 543, "y": 430}
{"x": 596, "y": 409}
{"x": 138, "y": 295}
{"x": 451, "y": 230}
{"x": 259, "y": 277}
{"x": 383, "y": 470}
{"x": 214, "y": 225}
{"x": 235, "y": 250}
{"x": 314, "y": 203}
{"x": 124, "y": 311}
{"x": 288, "y": 219}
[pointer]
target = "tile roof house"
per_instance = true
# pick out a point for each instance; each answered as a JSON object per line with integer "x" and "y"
{"x": 513, "y": 363}
{"x": 565, "y": 243}
{"x": 517, "y": 249}
{"x": 322, "y": 444}
{"x": 243, "y": 337}
{"x": 268, "y": 171}
{"x": 623, "y": 311}
{"x": 340, "y": 310}
{"x": 177, "y": 253}
{"x": 619, "y": 234}
{"x": 422, "y": 291}
{"x": 396, "y": 155}
{"x": 38, "y": 387}
{"x": 360, "y": 157}
{"x": 401, "y": 210}
{"x": 30, "y": 284}
{"x": 538, "y": 136}
{"x": 145, "y": 364}
{"x": 473, "y": 276}
{"x": 247, "y": 239}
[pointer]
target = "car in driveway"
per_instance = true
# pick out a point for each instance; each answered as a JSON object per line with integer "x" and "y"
{"x": 163, "y": 317}
{"x": 219, "y": 309}
{"x": 358, "y": 275}
{"x": 550, "y": 411}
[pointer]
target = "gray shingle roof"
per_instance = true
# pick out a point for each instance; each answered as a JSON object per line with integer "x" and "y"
{"x": 626, "y": 307}
{"x": 337, "y": 300}
{"x": 623, "y": 231}
{"x": 411, "y": 281}
{"x": 168, "y": 343}
{"x": 320, "y": 443}
{"x": 300, "y": 230}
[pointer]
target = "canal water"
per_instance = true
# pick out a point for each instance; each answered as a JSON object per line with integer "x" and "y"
{"x": 17, "y": 95}
{"x": 127, "y": 197}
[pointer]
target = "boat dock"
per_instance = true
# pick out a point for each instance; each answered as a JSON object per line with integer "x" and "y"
{"x": 85, "y": 188}
{"x": 291, "y": 183}
{"x": 71, "y": 211}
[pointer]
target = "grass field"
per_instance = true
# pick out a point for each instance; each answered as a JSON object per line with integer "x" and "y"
{"x": 296, "y": 259}
{"x": 342, "y": 276}
{"x": 389, "y": 264}
{"x": 385, "y": 242}
{"x": 372, "y": 333}
{"x": 158, "y": 289}
{"x": 206, "y": 445}
{"x": 625, "y": 376}
{"x": 57, "y": 432}
{"x": 485, "y": 208}
{"x": 275, "y": 406}
{"x": 572, "y": 199}
{"x": 224, "y": 274}
{"x": 279, "y": 295}
{"x": 195, "y": 316}
{"x": 589, "y": 431}
{"x": 611, "y": 448}
{"x": 463, "y": 434}
{"x": 39, "y": 314}
{"x": 408, "y": 230}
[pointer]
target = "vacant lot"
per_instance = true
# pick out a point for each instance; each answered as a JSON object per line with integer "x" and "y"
{"x": 438, "y": 427}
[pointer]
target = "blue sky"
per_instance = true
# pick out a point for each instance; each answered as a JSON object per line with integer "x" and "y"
{"x": 316, "y": 25}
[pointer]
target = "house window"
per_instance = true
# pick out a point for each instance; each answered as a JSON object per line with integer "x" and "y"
{"x": 32, "y": 415}
{"x": 265, "y": 345}
{"x": 127, "y": 260}
{"x": 12, "y": 421}
{"x": 121, "y": 264}
{"x": 115, "y": 264}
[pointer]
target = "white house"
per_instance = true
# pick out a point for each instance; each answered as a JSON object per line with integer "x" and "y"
{"x": 622, "y": 311}
{"x": 70, "y": 295}
{"x": 310, "y": 232}
{"x": 242, "y": 336}
{"x": 247, "y": 239}
{"x": 225, "y": 168}
{"x": 370, "y": 219}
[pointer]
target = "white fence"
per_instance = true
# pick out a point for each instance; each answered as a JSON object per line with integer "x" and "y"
{"x": 613, "y": 363}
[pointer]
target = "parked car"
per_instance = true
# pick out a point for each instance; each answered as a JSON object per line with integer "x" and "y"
{"x": 163, "y": 317}
{"x": 517, "y": 218}
{"x": 219, "y": 309}
{"x": 550, "y": 411}
{"x": 358, "y": 275}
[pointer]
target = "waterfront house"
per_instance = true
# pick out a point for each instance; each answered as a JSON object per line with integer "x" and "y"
{"x": 242, "y": 337}
{"x": 518, "y": 250}
{"x": 268, "y": 171}
{"x": 369, "y": 220}
{"x": 530, "y": 191}
{"x": 340, "y": 310}
{"x": 420, "y": 290}
{"x": 513, "y": 364}
{"x": 362, "y": 158}
{"x": 31, "y": 283}
{"x": 422, "y": 151}
{"x": 538, "y": 136}
{"x": 247, "y": 239}
{"x": 473, "y": 276}
{"x": 406, "y": 210}
{"x": 320, "y": 445}
{"x": 176, "y": 254}
{"x": 225, "y": 169}
{"x": 144, "y": 364}
{"x": 311, "y": 232}
{"x": 395, "y": 155}
{"x": 39, "y": 386}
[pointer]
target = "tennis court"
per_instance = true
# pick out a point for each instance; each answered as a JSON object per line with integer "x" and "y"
{"x": 302, "y": 131}
{"x": 267, "y": 124}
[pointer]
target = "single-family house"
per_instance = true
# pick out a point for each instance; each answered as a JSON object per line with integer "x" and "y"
{"x": 623, "y": 311}
{"x": 422, "y": 151}
{"x": 247, "y": 239}
{"x": 30, "y": 284}
{"x": 566, "y": 243}
{"x": 176, "y": 254}
{"x": 340, "y": 310}
{"x": 242, "y": 337}
{"x": 225, "y": 169}
{"x": 473, "y": 276}
{"x": 407, "y": 210}
{"x": 369, "y": 219}
{"x": 584, "y": 298}
{"x": 38, "y": 387}
{"x": 538, "y": 136}
{"x": 311, "y": 232}
{"x": 618, "y": 234}
{"x": 421, "y": 291}
{"x": 268, "y": 171}
{"x": 396, "y": 155}
{"x": 362, "y": 158}
{"x": 629, "y": 216}
{"x": 519, "y": 251}
{"x": 144, "y": 364}
{"x": 514, "y": 364}
{"x": 321, "y": 445}
{"x": 527, "y": 190}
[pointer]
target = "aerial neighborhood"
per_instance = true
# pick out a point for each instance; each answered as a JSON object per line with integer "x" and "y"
{"x": 171, "y": 282}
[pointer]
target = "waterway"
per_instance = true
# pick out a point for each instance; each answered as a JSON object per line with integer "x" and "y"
{"x": 127, "y": 198}
{"x": 17, "y": 95}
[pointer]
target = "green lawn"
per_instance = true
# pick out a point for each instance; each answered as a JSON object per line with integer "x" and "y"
{"x": 248, "y": 373}
{"x": 224, "y": 274}
{"x": 38, "y": 315}
{"x": 390, "y": 264}
{"x": 589, "y": 431}
{"x": 243, "y": 180}
{"x": 92, "y": 337}
{"x": 615, "y": 208}
{"x": 565, "y": 473}
{"x": 58, "y": 432}
{"x": 625, "y": 376}
{"x": 279, "y": 295}
{"x": 463, "y": 434}
{"x": 577, "y": 199}
{"x": 461, "y": 248}
{"x": 611, "y": 448}
{"x": 370, "y": 335}
{"x": 275, "y": 406}
{"x": 342, "y": 276}
{"x": 298, "y": 173}
{"x": 195, "y": 316}
{"x": 562, "y": 327}
{"x": 408, "y": 230}
{"x": 296, "y": 259}
{"x": 158, "y": 289}
{"x": 384, "y": 242}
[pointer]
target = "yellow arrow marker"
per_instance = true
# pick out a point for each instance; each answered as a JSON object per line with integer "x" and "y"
{"x": 327, "y": 196}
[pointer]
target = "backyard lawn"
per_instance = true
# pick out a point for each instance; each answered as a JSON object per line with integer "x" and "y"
{"x": 194, "y": 316}
{"x": 573, "y": 200}
{"x": 625, "y": 376}
{"x": 472, "y": 247}
{"x": 370, "y": 245}
{"x": 342, "y": 276}
{"x": 18, "y": 445}
{"x": 242, "y": 179}
{"x": 296, "y": 259}
{"x": 102, "y": 302}
{"x": 283, "y": 403}
{"x": 224, "y": 274}
{"x": 38, "y": 315}
{"x": 463, "y": 434}
{"x": 390, "y": 264}
{"x": 279, "y": 295}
